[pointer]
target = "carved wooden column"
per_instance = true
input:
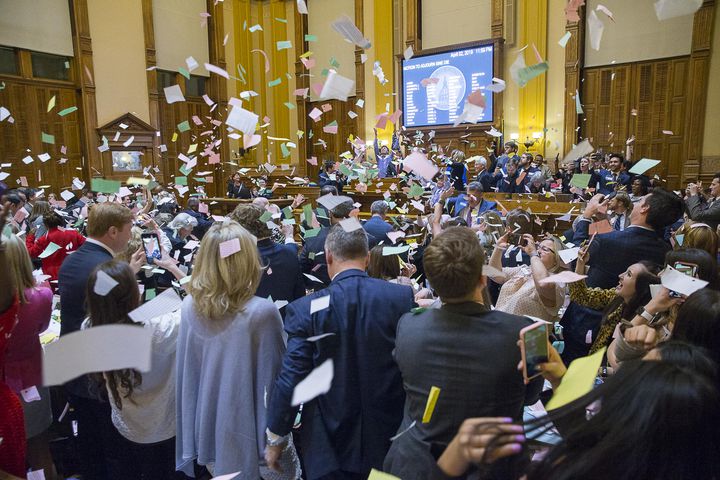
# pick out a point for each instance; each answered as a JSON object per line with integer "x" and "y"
{"x": 697, "y": 89}
{"x": 152, "y": 81}
{"x": 359, "y": 71}
{"x": 302, "y": 81}
{"x": 412, "y": 28}
{"x": 574, "y": 63}
{"x": 218, "y": 84}
{"x": 82, "y": 46}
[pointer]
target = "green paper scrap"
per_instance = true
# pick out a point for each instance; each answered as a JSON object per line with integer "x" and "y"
{"x": 200, "y": 179}
{"x": 387, "y": 251}
{"x": 183, "y": 126}
{"x": 274, "y": 83}
{"x": 580, "y": 180}
{"x": 643, "y": 165}
{"x": 311, "y": 255}
{"x": 284, "y": 150}
{"x": 325, "y": 72}
{"x": 47, "y": 138}
{"x": 310, "y": 38}
{"x": 283, "y": 45}
{"x": 307, "y": 213}
{"x": 185, "y": 170}
{"x": 266, "y": 217}
{"x": 334, "y": 62}
{"x": 49, "y": 250}
{"x": 281, "y": 20}
{"x": 416, "y": 191}
{"x": 180, "y": 180}
{"x": 102, "y": 185}
{"x": 67, "y": 111}
{"x": 287, "y": 211}
{"x": 290, "y": 105}
{"x": 528, "y": 73}
{"x": 288, "y": 221}
{"x": 184, "y": 72}
{"x": 332, "y": 124}
{"x": 150, "y": 294}
{"x": 578, "y": 380}
{"x": 321, "y": 213}
{"x": 345, "y": 170}
{"x": 7, "y": 231}
{"x": 311, "y": 232}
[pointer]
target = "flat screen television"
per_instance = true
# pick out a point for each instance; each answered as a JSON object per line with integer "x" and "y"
{"x": 435, "y": 86}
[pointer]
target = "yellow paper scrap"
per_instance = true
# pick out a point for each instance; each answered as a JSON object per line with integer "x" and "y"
{"x": 137, "y": 181}
{"x": 578, "y": 380}
{"x": 378, "y": 475}
{"x": 430, "y": 405}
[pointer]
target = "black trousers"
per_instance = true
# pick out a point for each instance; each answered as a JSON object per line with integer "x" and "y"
{"x": 150, "y": 461}
{"x": 99, "y": 442}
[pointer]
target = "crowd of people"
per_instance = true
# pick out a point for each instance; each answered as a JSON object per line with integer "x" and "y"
{"x": 416, "y": 317}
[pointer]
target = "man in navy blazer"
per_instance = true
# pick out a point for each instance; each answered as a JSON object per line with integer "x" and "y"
{"x": 471, "y": 204}
{"x": 345, "y": 432}
{"x": 109, "y": 231}
{"x": 612, "y": 253}
{"x": 376, "y": 226}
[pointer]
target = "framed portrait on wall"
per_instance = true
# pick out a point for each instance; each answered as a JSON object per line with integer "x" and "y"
{"x": 127, "y": 161}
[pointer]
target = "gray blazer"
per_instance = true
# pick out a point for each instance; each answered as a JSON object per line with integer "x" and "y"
{"x": 471, "y": 354}
{"x": 700, "y": 211}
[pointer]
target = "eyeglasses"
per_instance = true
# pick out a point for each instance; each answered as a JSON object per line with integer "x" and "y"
{"x": 544, "y": 248}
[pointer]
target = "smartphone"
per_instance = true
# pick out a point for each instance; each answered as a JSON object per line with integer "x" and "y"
{"x": 689, "y": 269}
{"x": 151, "y": 244}
{"x": 534, "y": 348}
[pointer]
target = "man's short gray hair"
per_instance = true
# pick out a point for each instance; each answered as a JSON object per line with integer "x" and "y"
{"x": 482, "y": 161}
{"x": 347, "y": 245}
{"x": 475, "y": 187}
{"x": 380, "y": 207}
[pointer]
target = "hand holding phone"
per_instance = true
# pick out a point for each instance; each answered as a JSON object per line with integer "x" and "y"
{"x": 151, "y": 245}
{"x": 534, "y": 349}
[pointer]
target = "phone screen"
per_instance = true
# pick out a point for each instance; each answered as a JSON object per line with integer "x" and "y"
{"x": 536, "y": 348}
{"x": 687, "y": 269}
{"x": 151, "y": 244}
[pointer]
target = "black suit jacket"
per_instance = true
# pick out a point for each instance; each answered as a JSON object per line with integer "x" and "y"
{"x": 282, "y": 279}
{"x": 312, "y": 260}
{"x": 471, "y": 354}
{"x": 72, "y": 284}
{"x": 240, "y": 191}
{"x": 349, "y": 427}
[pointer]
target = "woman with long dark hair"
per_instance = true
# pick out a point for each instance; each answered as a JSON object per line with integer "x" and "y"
{"x": 619, "y": 303}
{"x": 143, "y": 405}
{"x": 656, "y": 420}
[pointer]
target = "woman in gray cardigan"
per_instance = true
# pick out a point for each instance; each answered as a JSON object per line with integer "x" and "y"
{"x": 230, "y": 349}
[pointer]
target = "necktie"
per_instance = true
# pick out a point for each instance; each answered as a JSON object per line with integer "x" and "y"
{"x": 618, "y": 222}
{"x": 469, "y": 217}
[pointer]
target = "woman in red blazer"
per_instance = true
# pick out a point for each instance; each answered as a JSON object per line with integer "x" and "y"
{"x": 68, "y": 240}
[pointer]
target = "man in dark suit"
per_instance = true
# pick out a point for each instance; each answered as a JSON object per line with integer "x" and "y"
{"x": 612, "y": 253}
{"x": 282, "y": 278}
{"x": 376, "y": 226}
{"x": 312, "y": 258}
{"x": 471, "y": 204}
{"x": 193, "y": 209}
{"x": 701, "y": 210}
{"x": 346, "y": 431}
{"x": 330, "y": 176}
{"x": 109, "y": 231}
{"x": 474, "y": 359}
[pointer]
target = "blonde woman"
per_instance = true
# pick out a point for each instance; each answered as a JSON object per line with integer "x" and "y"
{"x": 229, "y": 352}
{"x": 522, "y": 291}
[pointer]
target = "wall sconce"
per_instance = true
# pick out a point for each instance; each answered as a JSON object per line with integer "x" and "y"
{"x": 514, "y": 136}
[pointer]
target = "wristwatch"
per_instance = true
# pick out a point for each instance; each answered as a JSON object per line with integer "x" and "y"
{"x": 649, "y": 317}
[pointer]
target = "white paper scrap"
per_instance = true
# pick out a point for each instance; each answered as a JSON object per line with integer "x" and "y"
{"x": 97, "y": 349}
{"x": 166, "y": 302}
{"x": 104, "y": 283}
{"x": 321, "y": 303}
{"x": 318, "y": 382}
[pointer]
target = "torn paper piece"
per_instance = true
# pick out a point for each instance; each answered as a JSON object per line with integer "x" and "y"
{"x": 166, "y": 302}
{"x": 97, "y": 349}
{"x": 336, "y": 86}
{"x": 595, "y": 27}
{"x": 173, "y": 94}
{"x": 320, "y": 303}
{"x": 318, "y": 382}
{"x": 346, "y": 27}
{"x": 104, "y": 283}
{"x": 242, "y": 120}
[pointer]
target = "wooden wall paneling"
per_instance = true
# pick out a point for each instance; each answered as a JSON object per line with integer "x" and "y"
{"x": 83, "y": 73}
{"x": 152, "y": 83}
{"x": 697, "y": 85}
{"x": 413, "y": 36}
{"x": 497, "y": 14}
{"x": 574, "y": 60}
{"x": 217, "y": 89}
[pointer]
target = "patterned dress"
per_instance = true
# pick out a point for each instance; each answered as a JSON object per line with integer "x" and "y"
{"x": 597, "y": 299}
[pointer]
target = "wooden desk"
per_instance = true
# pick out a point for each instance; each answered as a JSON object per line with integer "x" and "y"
{"x": 224, "y": 206}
